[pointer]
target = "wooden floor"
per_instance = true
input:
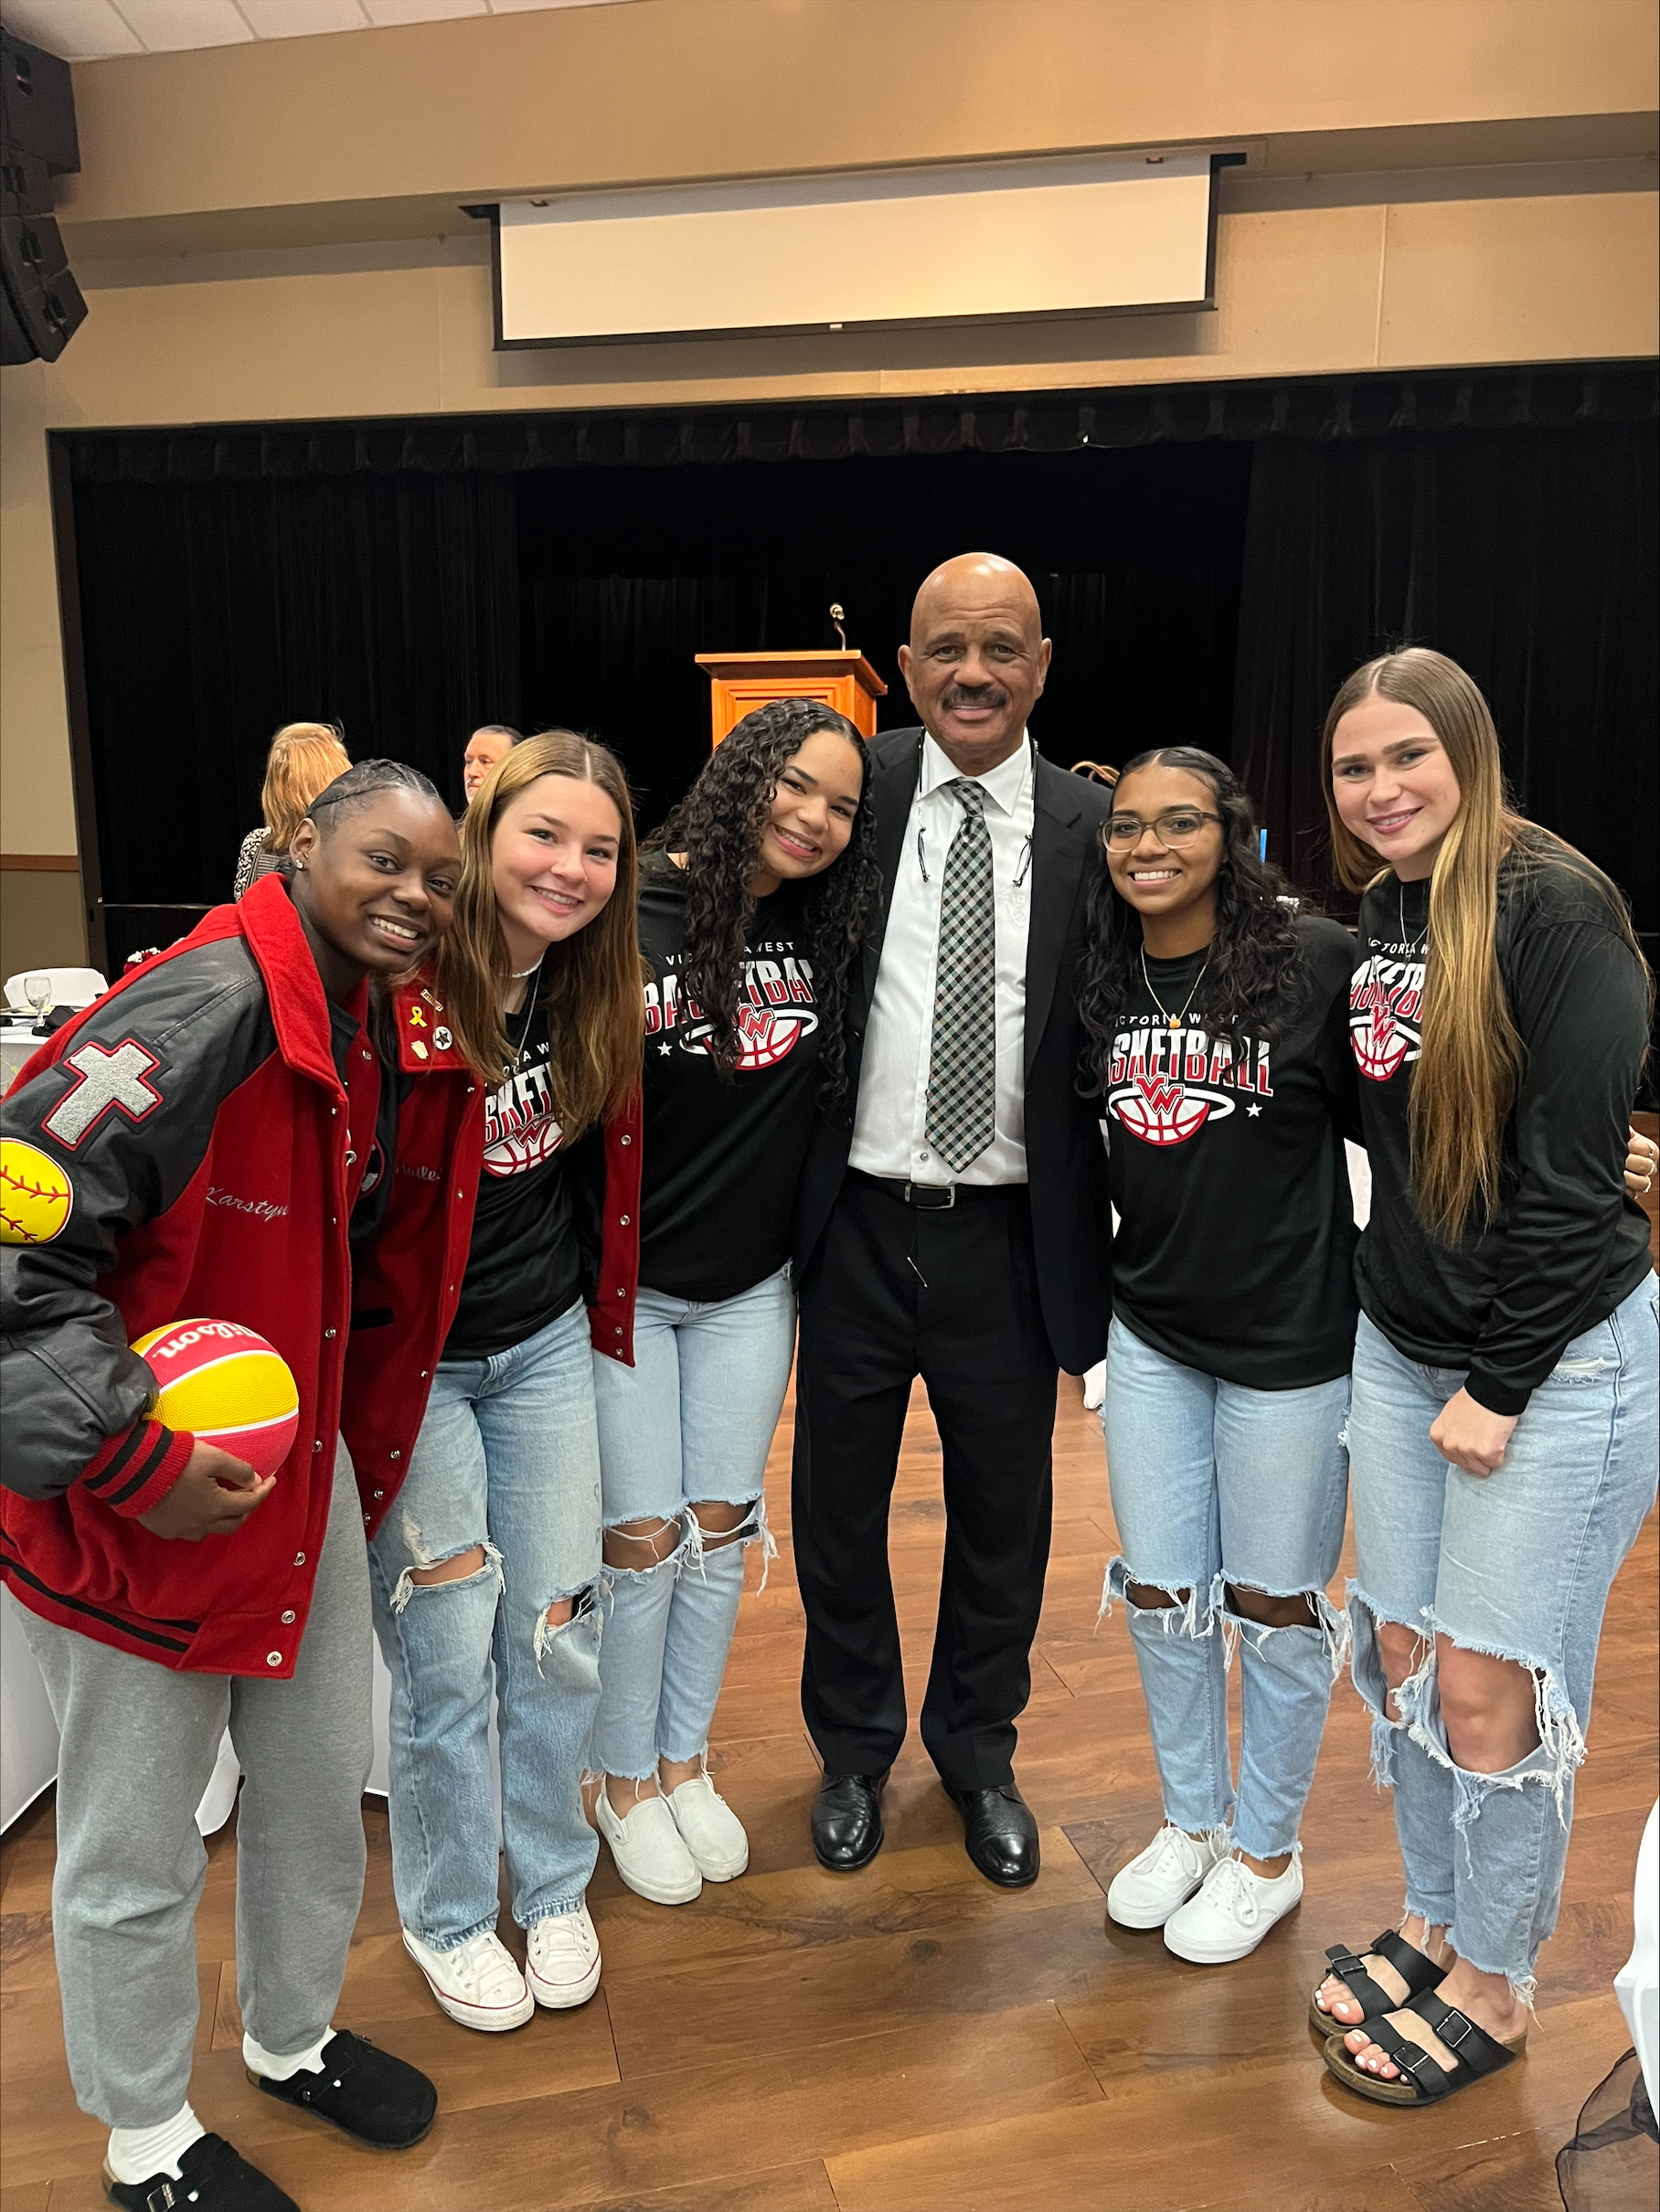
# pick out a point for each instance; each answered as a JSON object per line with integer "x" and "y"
{"x": 909, "y": 2040}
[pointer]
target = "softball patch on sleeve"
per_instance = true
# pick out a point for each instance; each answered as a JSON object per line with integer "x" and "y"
{"x": 36, "y": 1197}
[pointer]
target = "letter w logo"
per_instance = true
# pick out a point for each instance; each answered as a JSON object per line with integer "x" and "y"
{"x": 1162, "y": 1094}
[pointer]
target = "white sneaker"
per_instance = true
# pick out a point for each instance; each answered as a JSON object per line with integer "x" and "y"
{"x": 1148, "y": 1891}
{"x": 709, "y": 1829}
{"x": 562, "y": 1960}
{"x": 1233, "y": 1911}
{"x": 477, "y": 1983}
{"x": 646, "y": 1846}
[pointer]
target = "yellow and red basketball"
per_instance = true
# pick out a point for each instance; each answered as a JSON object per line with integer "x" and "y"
{"x": 223, "y": 1383}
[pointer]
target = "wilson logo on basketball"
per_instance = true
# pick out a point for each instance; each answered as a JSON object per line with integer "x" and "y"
{"x": 1384, "y": 1002}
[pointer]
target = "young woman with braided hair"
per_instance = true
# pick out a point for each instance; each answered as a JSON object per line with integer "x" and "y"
{"x": 756, "y": 896}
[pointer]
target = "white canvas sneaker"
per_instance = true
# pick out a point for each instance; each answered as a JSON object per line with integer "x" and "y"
{"x": 709, "y": 1829}
{"x": 562, "y": 1960}
{"x": 648, "y": 1850}
{"x": 477, "y": 1983}
{"x": 1148, "y": 1891}
{"x": 1233, "y": 1911}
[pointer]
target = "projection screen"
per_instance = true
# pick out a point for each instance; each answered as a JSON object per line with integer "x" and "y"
{"x": 997, "y": 242}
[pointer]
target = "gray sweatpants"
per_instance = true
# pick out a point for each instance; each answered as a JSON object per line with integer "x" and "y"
{"x": 139, "y": 1744}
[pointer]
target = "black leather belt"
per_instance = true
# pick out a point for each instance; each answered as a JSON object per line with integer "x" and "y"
{"x": 930, "y": 1198}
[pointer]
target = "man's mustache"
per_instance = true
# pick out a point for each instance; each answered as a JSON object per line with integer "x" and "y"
{"x": 987, "y": 695}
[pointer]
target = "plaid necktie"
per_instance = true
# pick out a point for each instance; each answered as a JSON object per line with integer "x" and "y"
{"x": 962, "y": 1066}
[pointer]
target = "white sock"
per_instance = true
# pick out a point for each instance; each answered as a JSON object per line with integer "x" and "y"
{"x": 279, "y": 2069}
{"x": 140, "y": 2153}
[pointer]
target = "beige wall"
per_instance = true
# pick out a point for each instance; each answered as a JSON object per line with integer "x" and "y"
{"x": 1323, "y": 266}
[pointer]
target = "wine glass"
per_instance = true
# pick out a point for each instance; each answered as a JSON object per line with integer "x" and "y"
{"x": 38, "y": 991}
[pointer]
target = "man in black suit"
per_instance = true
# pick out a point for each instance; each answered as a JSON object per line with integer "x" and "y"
{"x": 954, "y": 1223}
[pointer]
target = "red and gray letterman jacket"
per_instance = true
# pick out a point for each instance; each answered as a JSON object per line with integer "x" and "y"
{"x": 188, "y": 1146}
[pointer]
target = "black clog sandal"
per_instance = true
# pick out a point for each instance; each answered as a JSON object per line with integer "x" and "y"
{"x": 1421, "y": 2079}
{"x": 1420, "y": 1973}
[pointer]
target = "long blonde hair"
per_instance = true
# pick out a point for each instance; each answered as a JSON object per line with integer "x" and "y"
{"x": 1470, "y": 1056}
{"x": 590, "y": 983}
{"x": 305, "y": 759}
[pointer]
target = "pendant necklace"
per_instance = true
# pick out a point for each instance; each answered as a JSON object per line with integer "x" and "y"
{"x": 1175, "y": 1020}
{"x": 519, "y": 975}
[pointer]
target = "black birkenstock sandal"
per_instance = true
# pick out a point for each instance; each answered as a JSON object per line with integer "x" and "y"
{"x": 1421, "y": 2079}
{"x": 1420, "y": 1973}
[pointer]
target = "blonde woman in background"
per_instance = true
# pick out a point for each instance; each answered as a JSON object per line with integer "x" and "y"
{"x": 305, "y": 759}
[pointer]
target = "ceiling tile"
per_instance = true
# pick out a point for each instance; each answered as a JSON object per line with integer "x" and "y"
{"x": 167, "y": 24}
{"x": 302, "y": 18}
{"x": 75, "y": 30}
{"x": 421, "y": 11}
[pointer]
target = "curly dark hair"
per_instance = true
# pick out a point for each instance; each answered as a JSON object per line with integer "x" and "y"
{"x": 718, "y": 825}
{"x": 1258, "y": 978}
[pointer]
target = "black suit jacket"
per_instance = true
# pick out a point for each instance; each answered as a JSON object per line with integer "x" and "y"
{"x": 1066, "y": 1160}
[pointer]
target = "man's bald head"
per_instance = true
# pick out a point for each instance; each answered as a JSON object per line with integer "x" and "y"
{"x": 977, "y": 658}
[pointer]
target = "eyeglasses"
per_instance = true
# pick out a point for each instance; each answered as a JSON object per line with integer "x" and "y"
{"x": 1176, "y": 828}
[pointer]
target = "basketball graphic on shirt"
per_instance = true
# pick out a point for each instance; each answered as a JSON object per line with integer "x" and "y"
{"x": 36, "y": 1195}
{"x": 1381, "y": 1044}
{"x": 224, "y": 1384}
{"x": 521, "y": 1130}
{"x": 1162, "y": 1110}
{"x": 767, "y": 1035}
{"x": 1384, "y": 1001}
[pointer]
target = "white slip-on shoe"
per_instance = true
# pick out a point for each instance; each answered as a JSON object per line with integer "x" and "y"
{"x": 1233, "y": 1911}
{"x": 1148, "y": 1891}
{"x": 709, "y": 1829}
{"x": 477, "y": 1983}
{"x": 562, "y": 1960}
{"x": 647, "y": 1849}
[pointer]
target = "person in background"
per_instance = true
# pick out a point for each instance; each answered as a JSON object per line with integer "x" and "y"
{"x": 1506, "y": 1376}
{"x": 954, "y": 1222}
{"x": 213, "y": 1132}
{"x": 304, "y": 758}
{"x": 755, "y": 902}
{"x": 1218, "y": 1021}
{"x": 488, "y": 748}
{"x": 486, "y": 1581}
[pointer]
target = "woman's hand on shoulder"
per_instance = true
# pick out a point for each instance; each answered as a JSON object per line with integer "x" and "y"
{"x": 1642, "y": 1153}
{"x": 1470, "y": 1436}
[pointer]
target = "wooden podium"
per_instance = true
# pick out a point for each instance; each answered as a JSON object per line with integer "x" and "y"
{"x": 742, "y": 681}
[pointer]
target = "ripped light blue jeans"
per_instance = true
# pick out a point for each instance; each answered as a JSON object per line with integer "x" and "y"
{"x": 508, "y": 1457}
{"x": 1215, "y": 1485}
{"x": 691, "y": 1420}
{"x": 1517, "y": 1564}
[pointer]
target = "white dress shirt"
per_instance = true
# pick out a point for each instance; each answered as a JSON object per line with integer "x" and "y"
{"x": 890, "y": 1127}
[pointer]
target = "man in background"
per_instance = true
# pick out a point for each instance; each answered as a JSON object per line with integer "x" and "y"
{"x": 490, "y": 742}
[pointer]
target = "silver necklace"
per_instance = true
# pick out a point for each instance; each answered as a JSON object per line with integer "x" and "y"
{"x": 1175, "y": 1020}
{"x": 529, "y": 1011}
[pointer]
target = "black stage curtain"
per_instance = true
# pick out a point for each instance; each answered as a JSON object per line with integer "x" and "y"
{"x": 1529, "y": 555}
{"x": 1211, "y": 560}
{"x": 216, "y": 612}
{"x": 1135, "y": 555}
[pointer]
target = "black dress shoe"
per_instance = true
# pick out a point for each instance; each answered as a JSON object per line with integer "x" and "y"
{"x": 847, "y": 1821}
{"x": 363, "y": 2091}
{"x": 1000, "y": 1834}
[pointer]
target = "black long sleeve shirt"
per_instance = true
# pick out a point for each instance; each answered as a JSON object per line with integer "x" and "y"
{"x": 1566, "y": 1246}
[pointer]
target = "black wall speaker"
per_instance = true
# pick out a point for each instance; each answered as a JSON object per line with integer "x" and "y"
{"x": 40, "y": 302}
